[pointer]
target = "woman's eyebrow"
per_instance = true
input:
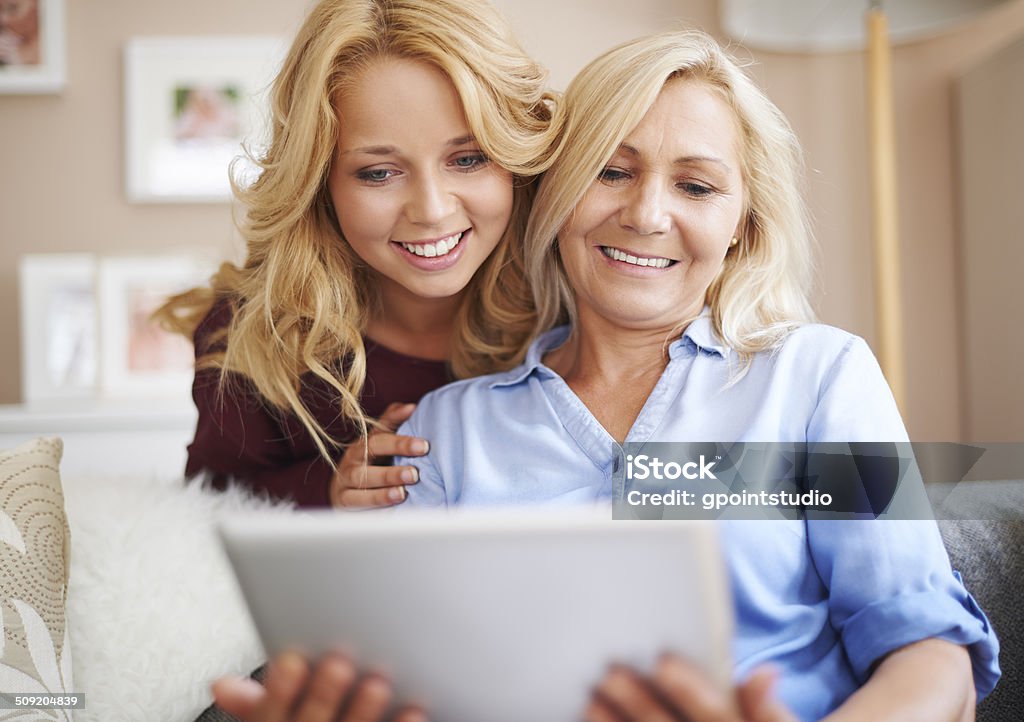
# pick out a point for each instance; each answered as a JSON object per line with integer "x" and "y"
{"x": 389, "y": 149}
{"x": 372, "y": 150}
{"x": 681, "y": 160}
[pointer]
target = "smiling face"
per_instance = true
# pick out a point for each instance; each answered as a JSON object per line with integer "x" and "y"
{"x": 415, "y": 196}
{"x": 649, "y": 236}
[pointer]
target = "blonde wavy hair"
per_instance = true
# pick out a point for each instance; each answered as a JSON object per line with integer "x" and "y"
{"x": 303, "y": 297}
{"x": 761, "y": 293}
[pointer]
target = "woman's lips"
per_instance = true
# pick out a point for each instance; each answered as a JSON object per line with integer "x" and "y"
{"x": 436, "y": 254}
{"x": 627, "y": 260}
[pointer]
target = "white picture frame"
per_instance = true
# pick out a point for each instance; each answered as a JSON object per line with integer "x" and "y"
{"x": 138, "y": 358}
{"x": 33, "y": 53}
{"x": 192, "y": 105}
{"x": 59, "y": 327}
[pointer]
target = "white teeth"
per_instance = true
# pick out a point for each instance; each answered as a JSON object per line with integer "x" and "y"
{"x": 617, "y": 255}
{"x": 432, "y": 250}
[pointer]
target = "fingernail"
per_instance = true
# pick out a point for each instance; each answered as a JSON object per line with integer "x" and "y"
{"x": 419, "y": 446}
{"x": 410, "y": 476}
{"x": 396, "y": 493}
{"x": 290, "y": 660}
{"x": 287, "y": 667}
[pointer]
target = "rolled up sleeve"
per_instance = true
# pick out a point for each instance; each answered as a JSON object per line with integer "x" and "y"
{"x": 890, "y": 585}
{"x": 890, "y": 582}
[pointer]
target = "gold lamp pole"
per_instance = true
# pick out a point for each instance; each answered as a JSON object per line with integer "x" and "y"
{"x": 885, "y": 216}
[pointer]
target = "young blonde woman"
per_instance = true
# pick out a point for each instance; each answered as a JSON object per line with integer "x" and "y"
{"x": 383, "y": 239}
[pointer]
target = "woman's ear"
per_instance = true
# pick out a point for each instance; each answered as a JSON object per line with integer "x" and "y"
{"x": 746, "y": 222}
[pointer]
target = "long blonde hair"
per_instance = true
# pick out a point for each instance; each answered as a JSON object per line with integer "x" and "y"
{"x": 302, "y": 300}
{"x": 761, "y": 293}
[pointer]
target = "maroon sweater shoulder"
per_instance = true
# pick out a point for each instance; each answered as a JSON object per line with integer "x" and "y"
{"x": 240, "y": 438}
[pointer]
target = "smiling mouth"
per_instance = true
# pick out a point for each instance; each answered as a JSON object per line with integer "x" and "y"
{"x": 649, "y": 261}
{"x": 432, "y": 249}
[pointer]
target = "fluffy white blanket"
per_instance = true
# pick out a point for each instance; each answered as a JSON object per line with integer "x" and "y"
{"x": 154, "y": 611}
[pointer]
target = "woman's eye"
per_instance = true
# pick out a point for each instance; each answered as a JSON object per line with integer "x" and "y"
{"x": 470, "y": 162}
{"x": 611, "y": 175}
{"x": 696, "y": 190}
{"x": 375, "y": 175}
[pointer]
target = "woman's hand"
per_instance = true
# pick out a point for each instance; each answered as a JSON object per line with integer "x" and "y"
{"x": 333, "y": 692}
{"x": 679, "y": 691}
{"x": 359, "y": 484}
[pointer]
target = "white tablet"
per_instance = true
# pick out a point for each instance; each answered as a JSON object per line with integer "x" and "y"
{"x": 486, "y": 616}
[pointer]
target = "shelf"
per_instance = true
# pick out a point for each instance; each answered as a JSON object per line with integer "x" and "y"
{"x": 95, "y": 416}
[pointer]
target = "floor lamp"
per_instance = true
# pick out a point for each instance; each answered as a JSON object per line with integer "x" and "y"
{"x": 884, "y": 202}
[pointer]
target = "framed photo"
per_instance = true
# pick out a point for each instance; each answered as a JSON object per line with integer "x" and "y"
{"x": 32, "y": 46}
{"x": 58, "y": 326}
{"x": 191, "y": 104}
{"x": 138, "y": 358}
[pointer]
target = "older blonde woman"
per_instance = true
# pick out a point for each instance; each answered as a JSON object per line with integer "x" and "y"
{"x": 670, "y": 233}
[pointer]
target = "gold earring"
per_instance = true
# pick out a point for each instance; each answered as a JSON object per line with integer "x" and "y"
{"x": 733, "y": 242}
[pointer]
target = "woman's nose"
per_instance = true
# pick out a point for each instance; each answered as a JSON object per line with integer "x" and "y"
{"x": 431, "y": 202}
{"x": 645, "y": 211}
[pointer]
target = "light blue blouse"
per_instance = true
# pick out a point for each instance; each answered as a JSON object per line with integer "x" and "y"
{"x": 821, "y": 600}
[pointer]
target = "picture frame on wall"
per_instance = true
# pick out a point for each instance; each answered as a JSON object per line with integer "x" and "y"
{"x": 59, "y": 327}
{"x": 32, "y": 46}
{"x": 138, "y": 358}
{"x": 192, "y": 106}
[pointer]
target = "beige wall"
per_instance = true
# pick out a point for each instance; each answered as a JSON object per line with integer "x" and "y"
{"x": 824, "y": 99}
{"x": 990, "y": 109}
{"x": 63, "y": 186}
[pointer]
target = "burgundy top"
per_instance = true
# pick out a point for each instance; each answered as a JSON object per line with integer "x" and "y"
{"x": 241, "y": 438}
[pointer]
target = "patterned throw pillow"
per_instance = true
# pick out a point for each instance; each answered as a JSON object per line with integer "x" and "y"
{"x": 35, "y": 655}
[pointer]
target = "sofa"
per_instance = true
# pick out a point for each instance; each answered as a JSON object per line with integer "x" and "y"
{"x": 984, "y": 535}
{"x": 117, "y": 588}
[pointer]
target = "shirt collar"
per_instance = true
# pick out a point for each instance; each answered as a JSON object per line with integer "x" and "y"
{"x": 699, "y": 335}
{"x": 534, "y": 358}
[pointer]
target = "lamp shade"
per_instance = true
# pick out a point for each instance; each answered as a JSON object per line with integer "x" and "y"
{"x": 837, "y": 25}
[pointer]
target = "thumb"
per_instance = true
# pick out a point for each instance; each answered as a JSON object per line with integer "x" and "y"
{"x": 757, "y": 699}
{"x": 396, "y": 414}
{"x": 237, "y": 696}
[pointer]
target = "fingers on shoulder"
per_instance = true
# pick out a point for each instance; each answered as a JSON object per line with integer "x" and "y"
{"x": 382, "y": 444}
{"x": 388, "y": 444}
{"x": 371, "y": 498}
{"x": 396, "y": 414}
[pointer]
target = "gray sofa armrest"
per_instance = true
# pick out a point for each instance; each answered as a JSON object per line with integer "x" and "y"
{"x": 985, "y": 541}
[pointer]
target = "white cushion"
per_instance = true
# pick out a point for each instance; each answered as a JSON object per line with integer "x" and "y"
{"x": 153, "y": 606}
